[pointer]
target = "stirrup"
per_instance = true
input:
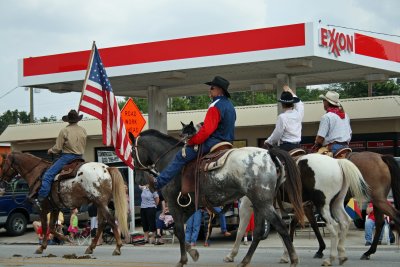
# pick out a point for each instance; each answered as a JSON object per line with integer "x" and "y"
{"x": 183, "y": 205}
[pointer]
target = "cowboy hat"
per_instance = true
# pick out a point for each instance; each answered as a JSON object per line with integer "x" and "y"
{"x": 221, "y": 83}
{"x": 332, "y": 97}
{"x": 72, "y": 116}
{"x": 288, "y": 98}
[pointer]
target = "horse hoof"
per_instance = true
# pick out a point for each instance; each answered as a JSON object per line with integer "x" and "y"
{"x": 194, "y": 254}
{"x": 318, "y": 255}
{"x": 284, "y": 260}
{"x": 89, "y": 251}
{"x": 39, "y": 251}
{"x": 326, "y": 263}
{"x": 228, "y": 259}
{"x": 365, "y": 257}
{"x": 342, "y": 260}
{"x": 241, "y": 265}
{"x": 116, "y": 253}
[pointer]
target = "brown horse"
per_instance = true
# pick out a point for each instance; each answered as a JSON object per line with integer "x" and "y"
{"x": 381, "y": 173}
{"x": 94, "y": 183}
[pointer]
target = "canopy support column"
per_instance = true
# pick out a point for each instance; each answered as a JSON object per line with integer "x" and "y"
{"x": 157, "y": 109}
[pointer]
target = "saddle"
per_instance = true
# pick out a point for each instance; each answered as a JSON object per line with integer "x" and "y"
{"x": 195, "y": 172}
{"x": 340, "y": 154}
{"x": 70, "y": 170}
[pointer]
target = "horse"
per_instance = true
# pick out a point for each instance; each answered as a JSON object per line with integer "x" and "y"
{"x": 249, "y": 171}
{"x": 325, "y": 183}
{"x": 381, "y": 173}
{"x": 94, "y": 183}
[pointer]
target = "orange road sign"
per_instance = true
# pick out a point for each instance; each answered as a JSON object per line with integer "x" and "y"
{"x": 132, "y": 117}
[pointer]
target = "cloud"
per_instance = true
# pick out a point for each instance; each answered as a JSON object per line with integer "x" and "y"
{"x": 42, "y": 27}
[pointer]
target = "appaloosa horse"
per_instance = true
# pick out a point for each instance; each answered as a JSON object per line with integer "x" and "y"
{"x": 325, "y": 184}
{"x": 249, "y": 171}
{"x": 381, "y": 173}
{"x": 94, "y": 183}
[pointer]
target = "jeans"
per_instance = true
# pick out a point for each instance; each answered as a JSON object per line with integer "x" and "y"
{"x": 51, "y": 172}
{"x": 176, "y": 165}
{"x": 222, "y": 219}
{"x": 369, "y": 228}
{"x": 193, "y": 227}
{"x": 336, "y": 147}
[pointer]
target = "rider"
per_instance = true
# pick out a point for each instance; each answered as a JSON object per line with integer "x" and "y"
{"x": 334, "y": 128}
{"x": 287, "y": 132}
{"x": 71, "y": 143}
{"x": 219, "y": 126}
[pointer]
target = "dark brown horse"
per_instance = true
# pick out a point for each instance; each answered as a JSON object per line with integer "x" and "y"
{"x": 381, "y": 173}
{"x": 94, "y": 183}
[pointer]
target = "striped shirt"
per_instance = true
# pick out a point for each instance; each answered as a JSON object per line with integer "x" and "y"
{"x": 334, "y": 129}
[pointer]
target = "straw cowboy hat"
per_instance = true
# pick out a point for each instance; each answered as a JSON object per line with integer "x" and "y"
{"x": 72, "y": 117}
{"x": 331, "y": 97}
{"x": 287, "y": 98}
{"x": 221, "y": 83}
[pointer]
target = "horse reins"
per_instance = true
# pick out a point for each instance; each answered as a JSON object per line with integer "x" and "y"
{"x": 151, "y": 168}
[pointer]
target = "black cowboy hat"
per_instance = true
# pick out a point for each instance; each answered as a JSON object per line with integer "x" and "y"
{"x": 221, "y": 83}
{"x": 72, "y": 116}
{"x": 288, "y": 98}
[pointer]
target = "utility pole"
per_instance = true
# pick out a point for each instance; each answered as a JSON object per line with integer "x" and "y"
{"x": 31, "y": 117}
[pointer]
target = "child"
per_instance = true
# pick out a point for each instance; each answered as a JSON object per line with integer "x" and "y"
{"x": 73, "y": 223}
{"x": 250, "y": 228}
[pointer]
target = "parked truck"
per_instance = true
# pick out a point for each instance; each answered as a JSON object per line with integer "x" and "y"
{"x": 15, "y": 209}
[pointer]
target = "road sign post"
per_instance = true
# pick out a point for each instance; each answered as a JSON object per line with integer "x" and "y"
{"x": 134, "y": 123}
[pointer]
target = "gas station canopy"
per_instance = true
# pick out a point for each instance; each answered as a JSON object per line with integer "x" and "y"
{"x": 307, "y": 53}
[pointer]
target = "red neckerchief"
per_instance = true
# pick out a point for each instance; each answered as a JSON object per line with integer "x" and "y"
{"x": 337, "y": 111}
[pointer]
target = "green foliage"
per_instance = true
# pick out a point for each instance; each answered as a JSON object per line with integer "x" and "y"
{"x": 45, "y": 119}
{"x": 12, "y": 117}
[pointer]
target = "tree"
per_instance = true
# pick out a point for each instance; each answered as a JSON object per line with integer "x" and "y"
{"x": 12, "y": 117}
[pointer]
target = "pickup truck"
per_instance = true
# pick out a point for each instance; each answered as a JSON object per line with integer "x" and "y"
{"x": 15, "y": 209}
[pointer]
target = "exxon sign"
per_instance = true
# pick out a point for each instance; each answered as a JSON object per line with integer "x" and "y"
{"x": 337, "y": 42}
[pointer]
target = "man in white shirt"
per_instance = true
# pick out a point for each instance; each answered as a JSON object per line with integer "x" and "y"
{"x": 287, "y": 132}
{"x": 334, "y": 128}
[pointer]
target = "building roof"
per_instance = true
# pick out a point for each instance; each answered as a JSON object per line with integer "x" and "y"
{"x": 249, "y": 59}
{"x": 369, "y": 108}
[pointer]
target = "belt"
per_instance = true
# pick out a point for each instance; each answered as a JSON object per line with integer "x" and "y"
{"x": 340, "y": 143}
{"x": 290, "y": 143}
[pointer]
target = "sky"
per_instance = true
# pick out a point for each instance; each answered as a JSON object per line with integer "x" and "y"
{"x": 43, "y": 27}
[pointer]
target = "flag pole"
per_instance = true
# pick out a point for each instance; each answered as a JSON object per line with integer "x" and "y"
{"x": 87, "y": 72}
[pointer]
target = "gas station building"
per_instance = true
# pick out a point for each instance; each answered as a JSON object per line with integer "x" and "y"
{"x": 262, "y": 59}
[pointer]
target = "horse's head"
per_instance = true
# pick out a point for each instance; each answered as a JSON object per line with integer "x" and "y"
{"x": 153, "y": 150}
{"x": 7, "y": 170}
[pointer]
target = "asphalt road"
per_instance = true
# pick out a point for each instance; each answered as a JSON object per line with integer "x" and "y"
{"x": 19, "y": 251}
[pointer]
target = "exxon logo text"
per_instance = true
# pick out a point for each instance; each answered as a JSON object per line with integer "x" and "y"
{"x": 336, "y": 41}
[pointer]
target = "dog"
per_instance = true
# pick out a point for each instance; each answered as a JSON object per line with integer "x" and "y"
{"x": 187, "y": 132}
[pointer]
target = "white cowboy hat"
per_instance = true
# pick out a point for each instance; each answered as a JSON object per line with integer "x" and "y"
{"x": 332, "y": 97}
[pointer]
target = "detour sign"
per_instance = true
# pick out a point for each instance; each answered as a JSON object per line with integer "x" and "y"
{"x": 132, "y": 117}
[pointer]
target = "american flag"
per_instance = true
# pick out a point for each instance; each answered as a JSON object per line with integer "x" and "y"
{"x": 99, "y": 101}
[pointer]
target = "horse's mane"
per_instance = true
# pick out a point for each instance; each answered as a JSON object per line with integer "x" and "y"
{"x": 152, "y": 132}
{"x": 30, "y": 155}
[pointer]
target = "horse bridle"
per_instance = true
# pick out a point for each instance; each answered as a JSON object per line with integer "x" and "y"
{"x": 150, "y": 168}
{"x": 10, "y": 168}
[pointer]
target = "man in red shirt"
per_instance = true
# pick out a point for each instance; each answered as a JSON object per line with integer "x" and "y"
{"x": 219, "y": 126}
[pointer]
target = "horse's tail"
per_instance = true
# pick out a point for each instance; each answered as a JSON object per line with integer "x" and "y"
{"x": 353, "y": 176}
{"x": 120, "y": 201}
{"x": 395, "y": 178}
{"x": 293, "y": 183}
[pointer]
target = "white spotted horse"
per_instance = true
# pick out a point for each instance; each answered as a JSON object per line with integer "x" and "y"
{"x": 382, "y": 174}
{"x": 94, "y": 183}
{"x": 249, "y": 171}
